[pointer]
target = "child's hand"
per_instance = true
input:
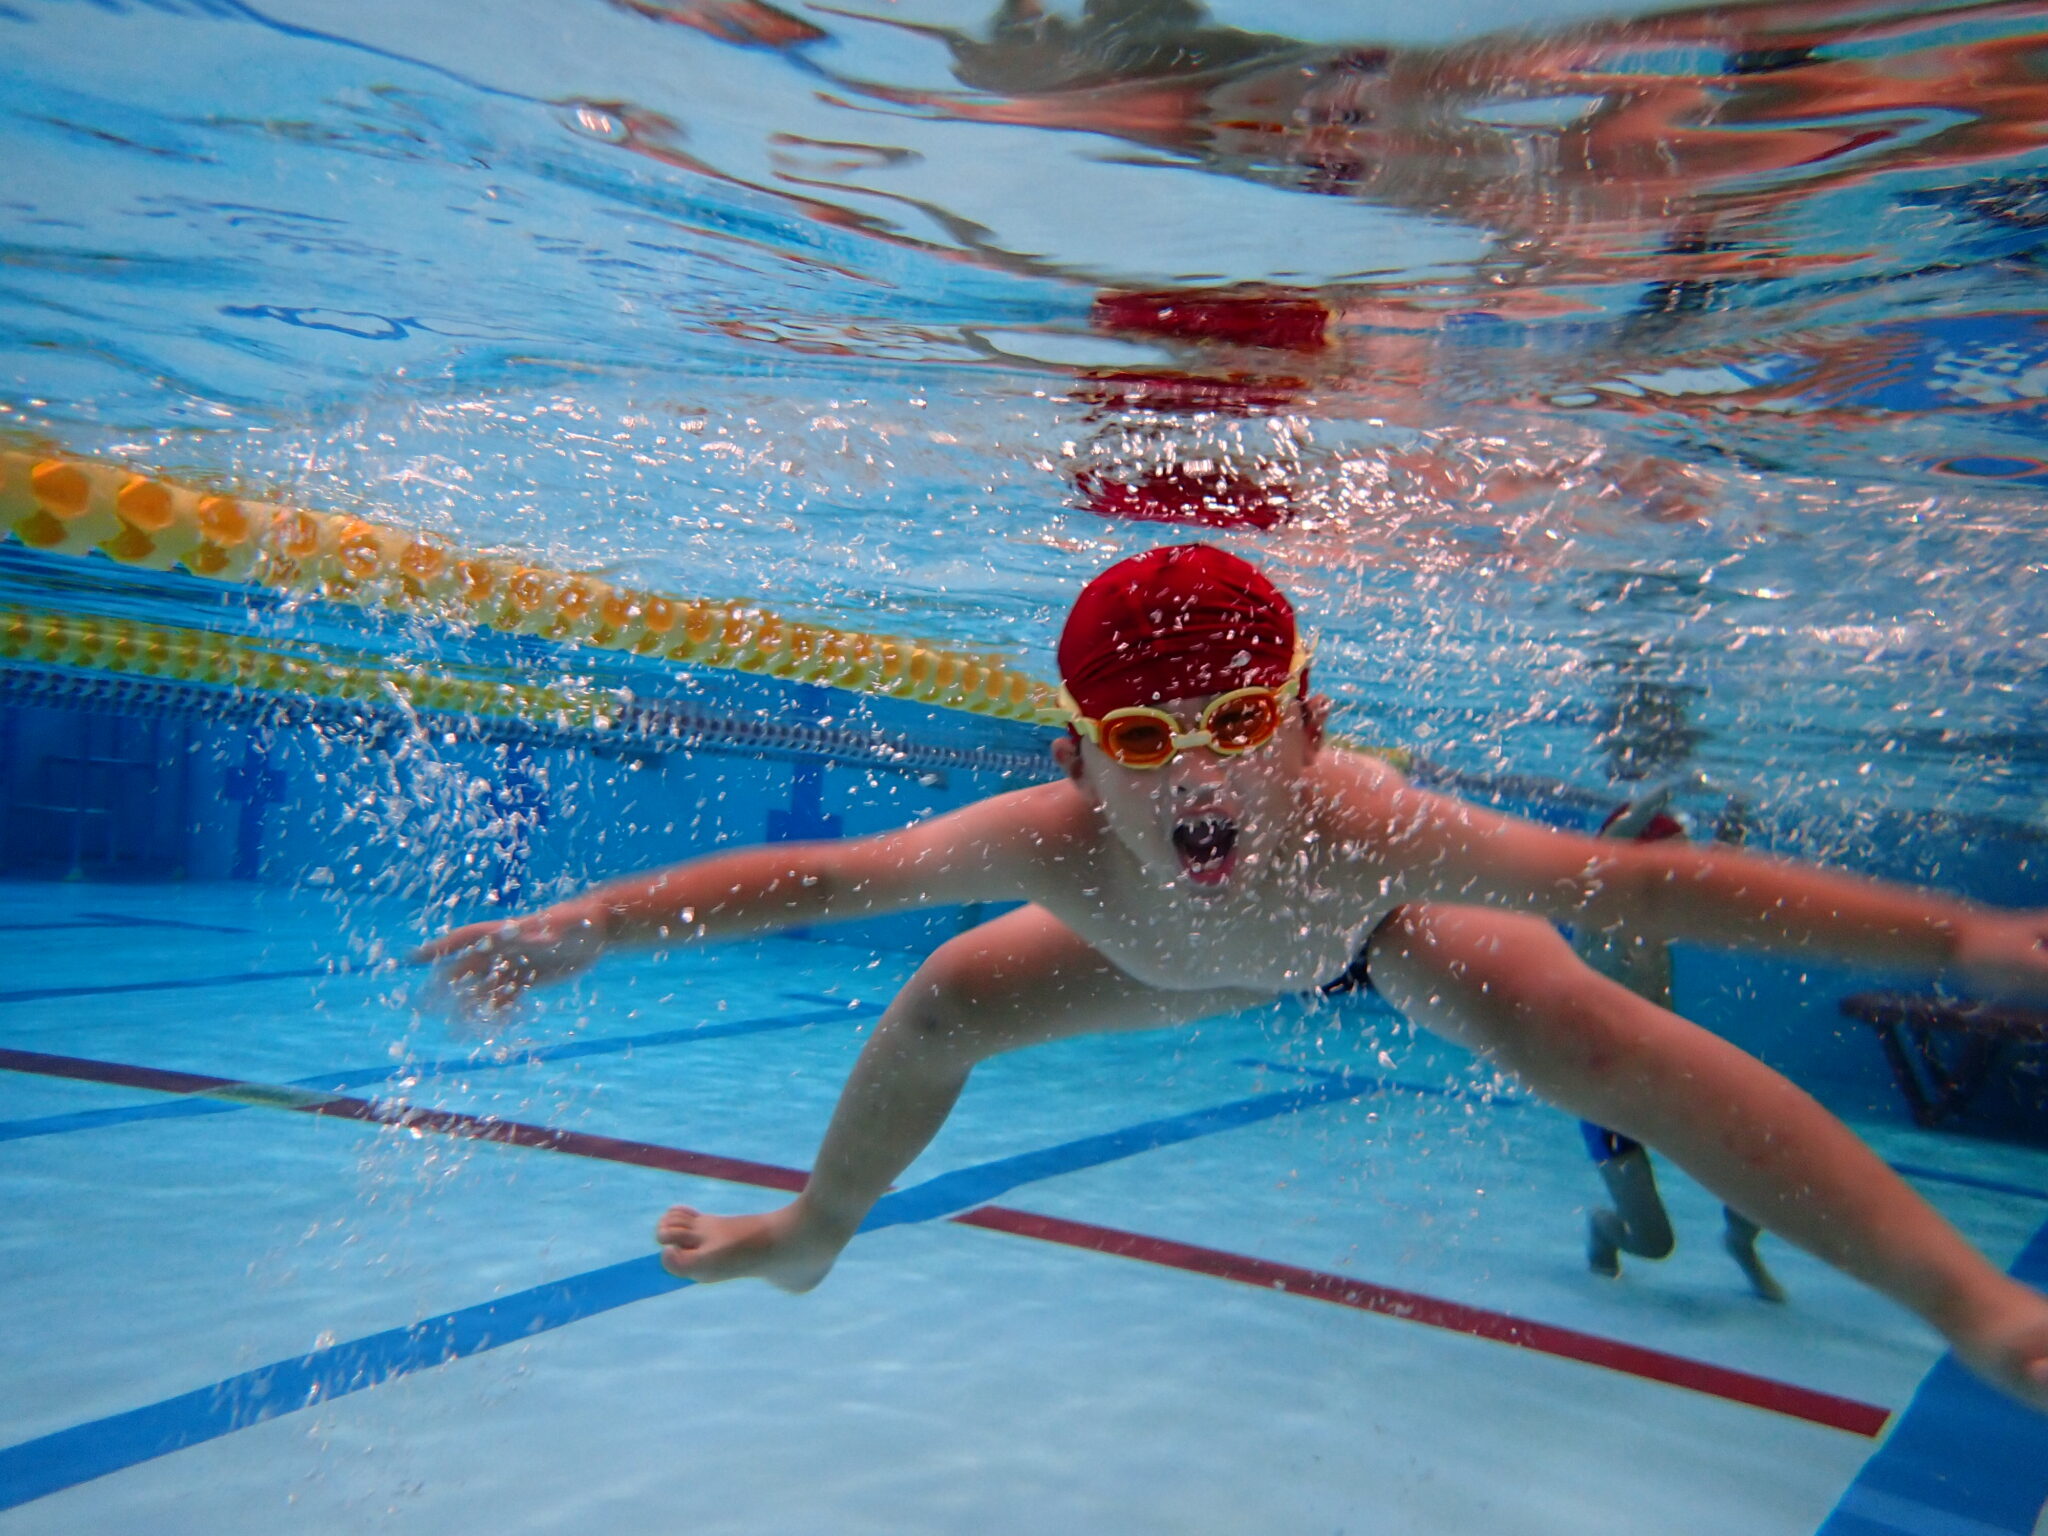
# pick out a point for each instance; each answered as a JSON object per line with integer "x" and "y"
{"x": 499, "y": 960}
{"x": 2004, "y": 956}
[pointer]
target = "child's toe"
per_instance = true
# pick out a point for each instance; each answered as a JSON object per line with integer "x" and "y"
{"x": 678, "y": 1225}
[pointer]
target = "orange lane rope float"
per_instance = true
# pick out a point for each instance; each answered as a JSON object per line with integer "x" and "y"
{"x": 62, "y": 505}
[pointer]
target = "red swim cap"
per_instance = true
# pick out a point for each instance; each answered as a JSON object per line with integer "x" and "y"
{"x": 1174, "y": 623}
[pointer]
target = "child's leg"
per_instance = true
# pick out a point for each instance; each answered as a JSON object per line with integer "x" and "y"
{"x": 1020, "y": 980}
{"x": 1507, "y": 986}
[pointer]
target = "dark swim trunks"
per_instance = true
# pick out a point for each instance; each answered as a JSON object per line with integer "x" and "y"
{"x": 1606, "y": 1145}
{"x": 1354, "y": 977}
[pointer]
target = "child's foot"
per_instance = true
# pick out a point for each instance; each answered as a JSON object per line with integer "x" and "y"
{"x": 776, "y": 1247}
{"x": 2007, "y": 1344}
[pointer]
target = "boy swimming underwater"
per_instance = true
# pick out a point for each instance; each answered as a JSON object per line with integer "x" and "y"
{"x": 1205, "y": 853}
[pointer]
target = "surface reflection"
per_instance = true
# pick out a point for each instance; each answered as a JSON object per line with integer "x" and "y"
{"x": 1646, "y": 149}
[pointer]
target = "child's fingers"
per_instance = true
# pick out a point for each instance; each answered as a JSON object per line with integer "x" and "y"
{"x": 483, "y": 938}
{"x": 450, "y": 942}
{"x": 471, "y": 965}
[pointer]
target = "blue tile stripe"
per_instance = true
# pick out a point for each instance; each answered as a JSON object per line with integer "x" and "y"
{"x": 117, "y": 920}
{"x": 364, "y": 1077}
{"x": 51, "y": 1463}
{"x": 130, "y": 920}
{"x": 1970, "y": 1181}
{"x": 1962, "y": 1460}
{"x": 122, "y": 1114}
{"x": 1909, "y": 1170}
{"x": 37, "y": 1468}
{"x": 963, "y": 1189}
{"x": 110, "y": 989}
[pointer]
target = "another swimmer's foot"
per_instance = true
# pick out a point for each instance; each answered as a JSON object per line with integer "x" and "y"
{"x": 1603, "y": 1254}
{"x": 777, "y": 1246}
{"x": 1740, "y": 1240}
{"x": 2007, "y": 1343}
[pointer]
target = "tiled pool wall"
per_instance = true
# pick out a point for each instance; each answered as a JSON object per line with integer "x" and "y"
{"x": 499, "y": 816}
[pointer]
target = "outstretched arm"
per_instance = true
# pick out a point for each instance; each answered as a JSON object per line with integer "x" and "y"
{"x": 1453, "y": 852}
{"x": 983, "y": 852}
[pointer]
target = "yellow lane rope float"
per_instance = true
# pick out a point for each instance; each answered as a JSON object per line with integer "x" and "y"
{"x": 62, "y": 505}
{"x": 129, "y": 647}
{"x": 134, "y": 661}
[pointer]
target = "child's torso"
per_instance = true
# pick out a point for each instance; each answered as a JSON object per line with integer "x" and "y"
{"x": 1289, "y": 926}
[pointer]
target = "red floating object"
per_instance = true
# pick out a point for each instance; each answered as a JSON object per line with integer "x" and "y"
{"x": 1281, "y": 322}
{"x": 1210, "y": 498}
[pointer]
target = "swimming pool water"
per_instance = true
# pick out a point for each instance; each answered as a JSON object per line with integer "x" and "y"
{"x": 833, "y": 313}
{"x": 945, "y": 1376}
{"x": 1619, "y": 395}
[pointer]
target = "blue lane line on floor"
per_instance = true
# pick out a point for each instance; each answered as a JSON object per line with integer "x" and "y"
{"x": 130, "y": 920}
{"x": 1962, "y": 1460}
{"x": 963, "y": 1189}
{"x": 1970, "y": 1181}
{"x": 361, "y": 1077}
{"x": 118, "y": 920}
{"x": 51, "y": 1463}
{"x": 1479, "y": 1093}
{"x": 37, "y": 1468}
{"x": 39, "y": 994}
{"x": 1909, "y": 1170}
{"x": 79, "y": 922}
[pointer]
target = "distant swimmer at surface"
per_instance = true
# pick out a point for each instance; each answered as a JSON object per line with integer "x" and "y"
{"x": 1637, "y": 1223}
{"x": 1206, "y": 852}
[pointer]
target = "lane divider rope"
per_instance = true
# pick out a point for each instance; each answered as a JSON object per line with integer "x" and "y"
{"x": 165, "y": 670}
{"x": 62, "y": 505}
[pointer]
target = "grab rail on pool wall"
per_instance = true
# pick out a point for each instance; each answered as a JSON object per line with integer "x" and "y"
{"x": 63, "y": 505}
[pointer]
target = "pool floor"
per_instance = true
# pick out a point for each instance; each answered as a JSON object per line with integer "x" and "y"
{"x": 287, "y": 1249}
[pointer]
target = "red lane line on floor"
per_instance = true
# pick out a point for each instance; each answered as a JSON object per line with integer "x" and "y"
{"x": 86, "y": 1070}
{"x": 1630, "y": 1359}
{"x": 446, "y": 1122}
{"x": 611, "y": 1149}
{"x": 1823, "y": 1408}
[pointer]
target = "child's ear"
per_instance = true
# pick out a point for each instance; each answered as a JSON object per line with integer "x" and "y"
{"x": 1315, "y": 714}
{"x": 1066, "y": 751}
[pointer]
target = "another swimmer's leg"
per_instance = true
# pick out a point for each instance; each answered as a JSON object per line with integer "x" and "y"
{"x": 1638, "y": 1224}
{"x": 1020, "y": 980}
{"x": 1739, "y": 1238}
{"x": 1508, "y": 986}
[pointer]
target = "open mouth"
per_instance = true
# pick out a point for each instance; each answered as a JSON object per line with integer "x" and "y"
{"x": 1207, "y": 846}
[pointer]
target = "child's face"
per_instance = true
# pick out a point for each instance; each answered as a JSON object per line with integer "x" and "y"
{"x": 1205, "y": 822}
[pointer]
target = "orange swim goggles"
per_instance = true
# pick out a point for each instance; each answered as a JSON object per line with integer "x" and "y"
{"x": 1139, "y": 736}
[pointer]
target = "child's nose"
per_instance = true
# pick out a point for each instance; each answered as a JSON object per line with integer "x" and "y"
{"x": 1196, "y": 773}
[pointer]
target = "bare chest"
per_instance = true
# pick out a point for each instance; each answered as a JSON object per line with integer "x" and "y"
{"x": 1289, "y": 931}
